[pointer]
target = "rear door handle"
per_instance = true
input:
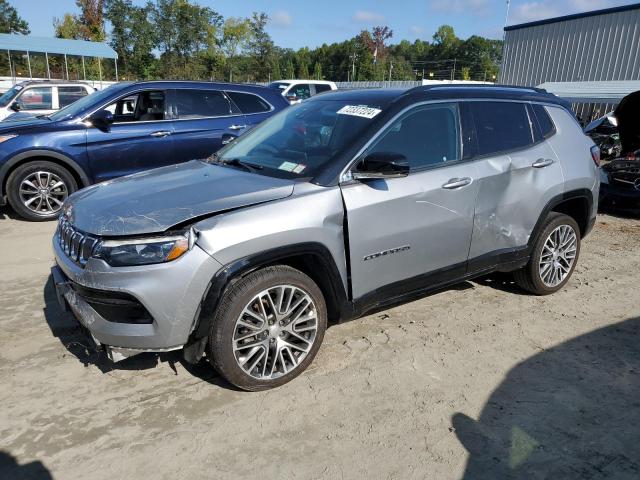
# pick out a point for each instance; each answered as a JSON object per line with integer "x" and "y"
{"x": 161, "y": 133}
{"x": 237, "y": 127}
{"x": 457, "y": 183}
{"x": 542, "y": 162}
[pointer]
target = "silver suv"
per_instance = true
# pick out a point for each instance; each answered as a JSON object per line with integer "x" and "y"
{"x": 345, "y": 203}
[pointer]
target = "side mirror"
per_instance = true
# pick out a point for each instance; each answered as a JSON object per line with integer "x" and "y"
{"x": 15, "y": 106}
{"x": 381, "y": 165}
{"x": 102, "y": 120}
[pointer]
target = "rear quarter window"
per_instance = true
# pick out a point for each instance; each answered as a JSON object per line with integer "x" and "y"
{"x": 249, "y": 103}
{"x": 500, "y": 126}
{"x": 545, "y": 124}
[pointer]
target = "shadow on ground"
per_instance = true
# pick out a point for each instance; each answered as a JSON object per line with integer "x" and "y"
{"x": 10, "y": 469}
{"x": 570, "y": 412}
{"x": 66, "y": 328}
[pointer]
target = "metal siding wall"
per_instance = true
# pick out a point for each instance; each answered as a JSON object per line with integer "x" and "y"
{"x": 602, "y": 47}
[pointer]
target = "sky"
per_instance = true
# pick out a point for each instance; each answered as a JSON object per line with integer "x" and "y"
{"x": 300, "y": 23}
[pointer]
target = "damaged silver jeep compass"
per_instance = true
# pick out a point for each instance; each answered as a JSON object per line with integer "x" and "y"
{"x": 345, "y": 203}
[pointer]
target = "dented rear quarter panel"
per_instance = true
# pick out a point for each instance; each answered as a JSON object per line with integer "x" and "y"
{"x": 573, "y": 149}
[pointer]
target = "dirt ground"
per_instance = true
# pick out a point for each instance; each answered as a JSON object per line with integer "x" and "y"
{"x": 479, "y": 381}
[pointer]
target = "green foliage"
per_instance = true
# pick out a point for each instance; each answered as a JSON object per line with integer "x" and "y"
{"x": 10, "y": 21}
{"x": 182, "y": 39}
{"x": 288, "y": 71}
{"x": 317, "y": 71}
{"x": 68, "y": 27}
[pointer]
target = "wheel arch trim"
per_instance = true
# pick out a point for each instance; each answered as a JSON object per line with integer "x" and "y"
{"x": 244, "y": 266}
{"x": 581, "y": 193}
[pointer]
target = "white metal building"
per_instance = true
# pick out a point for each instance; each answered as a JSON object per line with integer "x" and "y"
{"x": 602, "y": 45}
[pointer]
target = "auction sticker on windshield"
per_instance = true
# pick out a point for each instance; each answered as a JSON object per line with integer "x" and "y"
{"x": 359, "y": 111}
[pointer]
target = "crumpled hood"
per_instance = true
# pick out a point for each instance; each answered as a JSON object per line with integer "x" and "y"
{"x": 155, "y": 200}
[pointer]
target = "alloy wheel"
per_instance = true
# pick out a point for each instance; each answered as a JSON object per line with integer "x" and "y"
{"x": 43, "y": 192}
{"x": 558, "y": 255}
{"x": 275, "y": 332}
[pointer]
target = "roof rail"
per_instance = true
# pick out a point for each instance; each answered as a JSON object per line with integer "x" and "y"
{"x": 475, "y": 85}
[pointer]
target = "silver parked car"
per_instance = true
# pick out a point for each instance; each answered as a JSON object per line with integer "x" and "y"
{"x": 345, "y": 203}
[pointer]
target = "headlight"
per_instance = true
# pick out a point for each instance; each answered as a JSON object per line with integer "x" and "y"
{"x": 144, "y": 251}
{"x": 4, "y": 138}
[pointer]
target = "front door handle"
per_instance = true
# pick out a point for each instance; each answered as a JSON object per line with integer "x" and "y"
{"x": 160, "y": 134}
{"x": 542, "y": 162}
{"x": 237, "y": 127}
{"x": 457, "y": 183}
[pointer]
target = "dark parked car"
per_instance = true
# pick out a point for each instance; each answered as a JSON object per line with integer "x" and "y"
{"x": 123, "y": 129}
{"x": 618, "y": 136}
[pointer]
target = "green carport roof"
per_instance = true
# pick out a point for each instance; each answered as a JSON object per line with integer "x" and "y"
{"x": 60, "y": 46}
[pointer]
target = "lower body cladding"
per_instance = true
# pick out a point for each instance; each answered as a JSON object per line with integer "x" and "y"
{"x": 130, "y": 310}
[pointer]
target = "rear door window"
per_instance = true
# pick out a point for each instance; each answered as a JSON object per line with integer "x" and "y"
{"x": 68, "y": 95}
{"x": 322, "y": 87}
{"x": 35, "y": 98}
{"x": 427, "y": 136}
{"x": 500, "y": 126}
{"x": 249, "y": 103}
{"x": 193, "y": 104}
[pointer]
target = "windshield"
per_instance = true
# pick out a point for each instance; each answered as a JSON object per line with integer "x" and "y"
{"x": 299, "y": 141}
{"x": 78, "y": 106}
{"x": 278, "y": 85}
{"x": 9, "y": 95}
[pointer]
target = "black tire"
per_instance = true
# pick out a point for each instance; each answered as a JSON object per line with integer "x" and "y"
{"x": 26, "y": 170}
{"x": 529, "y": 277}
{"x": 220, "y": 344}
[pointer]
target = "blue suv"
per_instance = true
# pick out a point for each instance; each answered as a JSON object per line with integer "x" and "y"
{"x": 123, "y": 129}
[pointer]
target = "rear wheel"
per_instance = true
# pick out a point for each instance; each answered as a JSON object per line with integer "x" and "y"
{"x": 37, "y": 190}
{"x": 553, "y": 258}
{"x": 268, "y": 328}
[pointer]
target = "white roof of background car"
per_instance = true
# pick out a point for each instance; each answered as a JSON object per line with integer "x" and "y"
{"x": 326, "y": 82}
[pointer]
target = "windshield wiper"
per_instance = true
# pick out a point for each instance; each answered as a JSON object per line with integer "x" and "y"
{"x": 236, "y": 162}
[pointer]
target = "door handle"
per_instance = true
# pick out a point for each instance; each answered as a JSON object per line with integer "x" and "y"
{"x": 542, "y": 162}
{"x": 457, "y": 183}
{"x": 237, "y": 127}
{"x": 161, "y": 133}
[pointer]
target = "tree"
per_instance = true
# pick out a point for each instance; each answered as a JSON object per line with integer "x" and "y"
{"x": 261, "y": 47}
{"x": 89, "y": 25}
{"x": 10, "y": 21}
{"x": 317, "y": 71}
{"x": 236, "y": 35}
{"x": 68, "y": 27}
{"x": 288, "y": 71}
{"x": 91, "y": 20}
{"x": 133, "y": 37}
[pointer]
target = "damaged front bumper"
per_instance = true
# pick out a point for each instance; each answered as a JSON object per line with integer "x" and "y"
{"x": 130, "y": 310}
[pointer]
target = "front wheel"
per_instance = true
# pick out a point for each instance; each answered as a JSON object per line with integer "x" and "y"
{"x": 268, "y": 328}
{"x": 37, "y": 190}
{"x": 554, "y": 256}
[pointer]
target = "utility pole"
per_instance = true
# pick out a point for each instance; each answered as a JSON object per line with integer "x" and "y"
{"x": 390, "y": 69}
{"x": 353, "y": 66}
{"x": 453, "y": 73}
